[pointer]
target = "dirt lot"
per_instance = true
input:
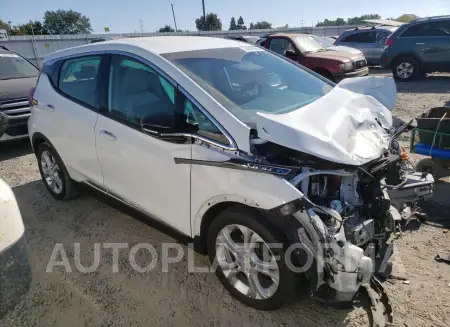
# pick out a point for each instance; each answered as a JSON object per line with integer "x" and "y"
{"x": 177, "y": 298}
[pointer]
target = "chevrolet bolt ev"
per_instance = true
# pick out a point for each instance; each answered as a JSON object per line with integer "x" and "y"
{"x": 234, "y": 146}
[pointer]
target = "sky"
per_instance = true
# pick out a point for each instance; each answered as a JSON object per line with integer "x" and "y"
{"x": 125, "y": 16}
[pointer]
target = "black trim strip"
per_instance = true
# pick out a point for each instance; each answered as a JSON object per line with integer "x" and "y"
{"x": 241, "y": 165}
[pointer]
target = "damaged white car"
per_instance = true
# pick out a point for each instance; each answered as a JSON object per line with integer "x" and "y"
{"x": 269, "y": 166}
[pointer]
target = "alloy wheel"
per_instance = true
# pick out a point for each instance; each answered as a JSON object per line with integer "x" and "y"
{"x": 405, "y": 70}
{"x": 51, "y": 172}
{"x": 247, "y": 262}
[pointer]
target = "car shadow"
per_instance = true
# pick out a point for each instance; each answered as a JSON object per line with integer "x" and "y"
{"x": 429, "y": 84}
{"x": 128, "y": 297}
{"x": 14, "y": 149}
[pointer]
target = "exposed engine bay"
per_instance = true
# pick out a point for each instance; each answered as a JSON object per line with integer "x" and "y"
{"x": 356, "y": 209}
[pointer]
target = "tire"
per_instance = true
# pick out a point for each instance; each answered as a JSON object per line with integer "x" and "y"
{"x": 64, "y": 189}
{"x": 405, "y": 69}
{"x": 273, "y": 296}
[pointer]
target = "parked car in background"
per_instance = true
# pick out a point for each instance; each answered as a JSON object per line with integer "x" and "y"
{"x": 419, "y": 47}
{"x": 244, "y": 38}
{"x": 220, "y": 140}
{"x": 17, "y": 77}
{"x": 307, "y": 51}
{"x": 328, "y": 43}
{"x": 370, "y": 40}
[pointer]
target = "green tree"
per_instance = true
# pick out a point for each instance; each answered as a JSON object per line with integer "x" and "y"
{"x": 262, "y": 25}
{"x": 213, "y": 23}
{"x": 166, "y": 28}
{"x": 337, "y": 22}
{"x": 66, "y": 22}
{"x": 33, "y": 27}
{"x": 240, "y": 24}
{"x": 233, "y": 25}
{"x": 251, "y": 26}
{"x": 359, "y": 20}
{"x": 4, "y": 25}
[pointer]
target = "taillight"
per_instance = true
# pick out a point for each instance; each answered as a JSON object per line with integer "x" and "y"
{"x": 390, "y": 41}
{"x": 32, "y": 101}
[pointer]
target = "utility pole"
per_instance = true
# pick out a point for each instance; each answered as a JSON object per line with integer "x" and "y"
{"x": 204, "y": 15}
{"x": 9, "y": 23}
{"x": 174, "y": 20}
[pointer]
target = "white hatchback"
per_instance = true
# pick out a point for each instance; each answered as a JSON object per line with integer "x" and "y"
{"x": 227, "y": 143}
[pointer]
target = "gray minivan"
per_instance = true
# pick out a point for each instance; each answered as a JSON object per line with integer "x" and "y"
{"x": 370, "y": 40}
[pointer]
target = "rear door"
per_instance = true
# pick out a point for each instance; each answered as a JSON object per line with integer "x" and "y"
{"x": 431, "y": 42}
{"x": 364, "y": 41}
{"x": 67, "y": 110}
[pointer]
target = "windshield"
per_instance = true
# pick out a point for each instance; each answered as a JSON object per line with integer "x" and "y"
{"x": 13, "y": 66}
{"x": 308, "y": 43}
{"x": 248, "y": 79}
{"x": 325, "y": 42}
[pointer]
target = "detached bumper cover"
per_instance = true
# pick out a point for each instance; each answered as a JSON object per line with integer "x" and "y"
{"x": 15, "y": 275}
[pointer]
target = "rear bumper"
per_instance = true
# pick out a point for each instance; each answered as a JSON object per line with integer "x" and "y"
{"x": 13, "y": 127}
{"x": 359, "y": 73}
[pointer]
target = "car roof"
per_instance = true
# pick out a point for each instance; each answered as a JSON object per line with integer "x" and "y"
{"x": 365, "y": 29}
{"x": 289, "y": 34}
{"x": 156, "y": 44}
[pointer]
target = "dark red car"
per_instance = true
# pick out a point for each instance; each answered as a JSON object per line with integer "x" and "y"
{"x": 304, "y": 49}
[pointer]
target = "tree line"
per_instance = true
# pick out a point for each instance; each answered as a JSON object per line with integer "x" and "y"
{"x": 62, "y": 22}
{"x": 350, "y": 21}
{"x": 59, "y": 22}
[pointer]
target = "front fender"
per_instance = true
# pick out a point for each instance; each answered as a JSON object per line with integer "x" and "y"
{"x": 213, "y": 185}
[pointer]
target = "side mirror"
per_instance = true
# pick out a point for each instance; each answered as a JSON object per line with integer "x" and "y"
{"x": 158, "y": 124}
{"x": 291, "y": 54}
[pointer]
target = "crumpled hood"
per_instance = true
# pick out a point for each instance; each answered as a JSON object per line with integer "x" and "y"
{"x": 341, "y": 126}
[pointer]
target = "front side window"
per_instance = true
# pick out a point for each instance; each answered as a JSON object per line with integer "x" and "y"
{"x": 204, "y": 126}
{"x": 247, "y": 79}
{"x": 13, "y": 66}
{"x": 78, "y": 79}
{"x": 280, "y": 45}
{"x": 135, "y": 91}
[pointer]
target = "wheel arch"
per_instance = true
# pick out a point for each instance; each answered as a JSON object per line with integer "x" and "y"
{"x": 407, "y": 54}
{"x": 214, "y": 207}
{"x": 37, "y": 139}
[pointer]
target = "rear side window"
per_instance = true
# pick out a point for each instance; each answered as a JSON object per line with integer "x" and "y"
{"x": 362, "y": 37}
{"x": 78, "y": 79}
{"x": 439, "y": 28}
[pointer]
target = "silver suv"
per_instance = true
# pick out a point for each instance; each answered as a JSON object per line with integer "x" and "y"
{"x": 370, "y": 40}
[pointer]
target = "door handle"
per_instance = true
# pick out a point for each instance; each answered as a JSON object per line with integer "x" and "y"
{"x": 50, "y": 107}
{"x": 108, "y": 135}
{"x": 420, "y": 43}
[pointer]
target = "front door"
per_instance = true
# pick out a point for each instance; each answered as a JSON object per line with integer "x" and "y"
{"x": 137, "y": 167}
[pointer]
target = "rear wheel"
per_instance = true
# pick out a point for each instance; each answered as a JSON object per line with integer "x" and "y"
{"x": 54, "y": 174}
{"x": 249, "y": 266}
{"x": 405, "y": 69}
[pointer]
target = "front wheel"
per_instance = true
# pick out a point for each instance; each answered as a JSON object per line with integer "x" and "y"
{"x": 250, "y": 259}
{"x": 405, "y": 69}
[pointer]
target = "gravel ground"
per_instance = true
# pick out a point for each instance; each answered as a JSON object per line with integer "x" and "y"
{"x": 178, "y": 298}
